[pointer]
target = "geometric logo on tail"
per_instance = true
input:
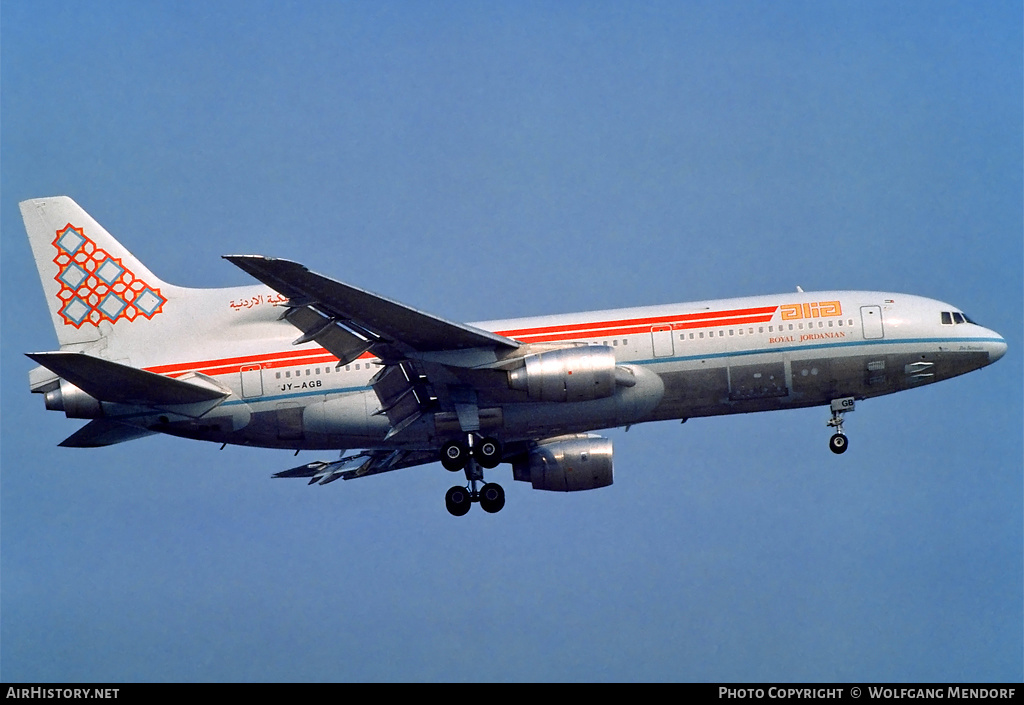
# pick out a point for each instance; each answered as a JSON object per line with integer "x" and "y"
{"x": 95, "y": 286}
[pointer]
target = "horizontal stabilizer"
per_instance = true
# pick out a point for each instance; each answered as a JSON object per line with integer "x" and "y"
{"x": 122, "y": 384}
{"x": 101, "y": 432}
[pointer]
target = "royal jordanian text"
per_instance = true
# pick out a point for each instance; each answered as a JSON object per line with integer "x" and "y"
{"x": 65, "y": 693}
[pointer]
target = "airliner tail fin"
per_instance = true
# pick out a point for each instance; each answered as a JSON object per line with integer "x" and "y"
{"x": 94, "y": 286}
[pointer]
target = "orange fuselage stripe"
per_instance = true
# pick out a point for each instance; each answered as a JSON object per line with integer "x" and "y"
{"x": 575, "y": 331}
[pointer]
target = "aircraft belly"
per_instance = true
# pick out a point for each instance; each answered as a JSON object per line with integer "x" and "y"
{"x": 765, "y": 380}
{"x": 738, "y": 385}
{"x": 345, "y": 421}
{"x": 701, "y": 391}
{"x": 225, "y": 422}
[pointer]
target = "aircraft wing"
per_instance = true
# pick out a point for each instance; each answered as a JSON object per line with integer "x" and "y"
{"x": 360, "y": 465}
{"x": 348, "y": 321}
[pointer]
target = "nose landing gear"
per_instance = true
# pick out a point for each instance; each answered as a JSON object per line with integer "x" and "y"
{"x": 838, "y": 443}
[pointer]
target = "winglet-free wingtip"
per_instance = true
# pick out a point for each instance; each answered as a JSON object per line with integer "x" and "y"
{"x": 244, "y": 260}
{"x": 262, "y": 267}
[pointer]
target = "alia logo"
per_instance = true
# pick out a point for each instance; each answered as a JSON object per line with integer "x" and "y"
{"x": 819, "y": 309}
{"x": 95, "y": 286}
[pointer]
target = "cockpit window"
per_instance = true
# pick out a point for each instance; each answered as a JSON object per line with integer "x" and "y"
{"x": 950, "y": 318}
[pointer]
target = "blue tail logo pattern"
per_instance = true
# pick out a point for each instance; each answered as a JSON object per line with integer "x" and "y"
{"x": 95, "y": 286}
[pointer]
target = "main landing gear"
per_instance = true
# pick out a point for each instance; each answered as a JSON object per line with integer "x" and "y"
{"x": 838, "y": 442}
{"x": 472, "y": 456}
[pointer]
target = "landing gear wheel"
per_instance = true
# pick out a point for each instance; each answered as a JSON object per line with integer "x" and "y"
{"x": 458, "y": 500}
{"x": 492, "y": 498}
{"x": 838, "y": 444}
{"x": 454, "y": 455}
{"x": 488, "y": 453}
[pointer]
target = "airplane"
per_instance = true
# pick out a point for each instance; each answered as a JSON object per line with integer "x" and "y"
{"x": 303, "y": 362}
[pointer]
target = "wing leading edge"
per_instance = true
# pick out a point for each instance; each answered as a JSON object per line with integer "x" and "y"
{"x": 348, "y": 321}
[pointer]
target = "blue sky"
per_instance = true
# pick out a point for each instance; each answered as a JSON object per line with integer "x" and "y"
{"x": 483, "y": 161}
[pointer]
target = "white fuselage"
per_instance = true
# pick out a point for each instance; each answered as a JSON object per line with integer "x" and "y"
{"x": 688, "y": 360}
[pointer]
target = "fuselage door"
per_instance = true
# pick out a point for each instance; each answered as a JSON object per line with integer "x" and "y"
{"x": 871, "y": 320}
{"x": 252, "y": 381}
{"x": 661, "y": 337}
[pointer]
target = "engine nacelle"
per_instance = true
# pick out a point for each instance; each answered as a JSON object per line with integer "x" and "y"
{"x": 75, "y": 403}
{"x": 567, "y": 464}
{"x": 570, "y": 374}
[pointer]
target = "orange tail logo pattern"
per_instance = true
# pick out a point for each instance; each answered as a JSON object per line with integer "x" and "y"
{"x": 95, "y": 286}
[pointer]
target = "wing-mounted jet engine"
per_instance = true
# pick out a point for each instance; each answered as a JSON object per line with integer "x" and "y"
{"x": 581, "y": 373}
{"x": 566, "y": 463}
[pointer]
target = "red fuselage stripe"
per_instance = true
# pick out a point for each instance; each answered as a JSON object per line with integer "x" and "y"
{"x": 646, "y": 328}
{"x": 709, "y": 318}
{"x": 576, "y": 331}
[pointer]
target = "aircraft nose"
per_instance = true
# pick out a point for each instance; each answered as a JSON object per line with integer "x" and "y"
{"x": 996, "y": 349}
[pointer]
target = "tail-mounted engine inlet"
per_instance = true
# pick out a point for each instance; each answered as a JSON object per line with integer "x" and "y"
{"x": 75, "y": 403}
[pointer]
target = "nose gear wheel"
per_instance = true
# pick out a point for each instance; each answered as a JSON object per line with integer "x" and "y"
{"x": 838, "y": 443}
